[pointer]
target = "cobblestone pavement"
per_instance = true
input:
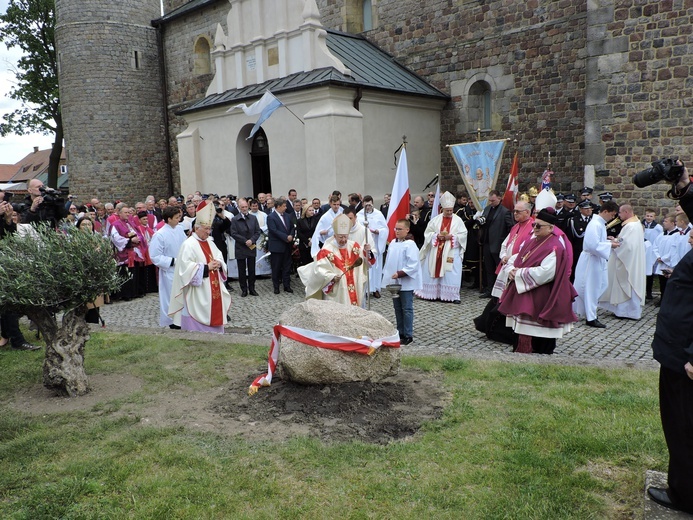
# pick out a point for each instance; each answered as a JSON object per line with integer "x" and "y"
{"x": 439, "y": 328}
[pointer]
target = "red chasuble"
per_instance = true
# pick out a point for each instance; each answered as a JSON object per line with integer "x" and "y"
{"x": 344, "y": 262}
{"x": 217, "y": 312}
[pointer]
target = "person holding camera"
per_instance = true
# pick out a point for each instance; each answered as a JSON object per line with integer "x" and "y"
{"x": 42, "y": 205}
{"x": 9, "y": 323}
{"x": 672, "y": 347}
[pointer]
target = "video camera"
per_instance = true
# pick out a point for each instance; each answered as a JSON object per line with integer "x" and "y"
{"x": 662, "y": 170}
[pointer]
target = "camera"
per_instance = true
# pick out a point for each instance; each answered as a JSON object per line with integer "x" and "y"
{"x": 19, "y": 208}
{"x": 49, "y": 194}
{"x": 8, "y": 196}
{"x": 662, "y": 170}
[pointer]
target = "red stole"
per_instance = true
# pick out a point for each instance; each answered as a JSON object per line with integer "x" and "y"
{"x": 217, "y": 314}
{"x": 440, "y": 261}
{"x": 344, "y": 262}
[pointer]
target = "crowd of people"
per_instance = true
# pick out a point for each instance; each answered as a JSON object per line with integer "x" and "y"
{"x": 549, "y": 261}
{"x": 612, "y": 257}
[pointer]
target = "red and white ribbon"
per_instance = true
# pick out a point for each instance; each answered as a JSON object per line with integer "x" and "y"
{"x": 363, "y": 345}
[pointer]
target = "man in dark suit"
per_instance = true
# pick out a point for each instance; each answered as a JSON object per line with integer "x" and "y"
{"x": 355, "y": 202}
{"x": 245, "y": 230}
{"x": 385, "y": 207}
{"x": 281, "y": 235}
{"x": 317, "y": 210}
{"x": 496, "y": 222}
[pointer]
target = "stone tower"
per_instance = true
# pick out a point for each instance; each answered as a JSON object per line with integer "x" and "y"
{"x": 112, "y": 98}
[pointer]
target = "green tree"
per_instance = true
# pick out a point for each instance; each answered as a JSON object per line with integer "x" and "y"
{"x": 30, "y": 26}
{"x": 44, "y": 273}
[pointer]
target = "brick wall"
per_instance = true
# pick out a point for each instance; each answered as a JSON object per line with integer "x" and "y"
{"x": 650, "y": 99}
{"x": 184, "y": 87}
{"x": 604, "y": 85}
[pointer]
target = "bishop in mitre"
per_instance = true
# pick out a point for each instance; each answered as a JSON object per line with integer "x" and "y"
{"x": 199, "y": 298}
{"x": 445, "y": 241}
{"x": 339, "y": 270}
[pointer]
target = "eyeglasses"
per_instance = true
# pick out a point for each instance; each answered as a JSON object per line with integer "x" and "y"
{"x": 536, "y": 225}
{"x": 519, "y": 210}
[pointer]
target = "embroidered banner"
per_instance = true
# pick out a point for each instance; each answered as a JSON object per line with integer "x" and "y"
{"x": 479, "y": 163}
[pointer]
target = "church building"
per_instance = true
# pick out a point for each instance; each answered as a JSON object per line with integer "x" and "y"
{"x": 148, "y": 97}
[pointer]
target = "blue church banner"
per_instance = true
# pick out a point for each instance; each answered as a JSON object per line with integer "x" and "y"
{"x": 479, "y": 163}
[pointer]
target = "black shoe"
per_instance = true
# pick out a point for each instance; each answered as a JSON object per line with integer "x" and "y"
{"x": 174, "y": 327}
{"x": 376, "y": 294}
{"x": 288, "y": 289}
{"x": 649, "y": 297}
{"x": 229, "y": 288}
{"x": 26, "y": 346}
{"x": 252, "y": 292}
{"x": 485, "y": 295}
{"x": 244, "y": 294}
{"x": 276, "y": 290}
{"x": 596, "y": 324}
{"x": 661, "y": 496}
{"x": 406, "y": 340}
{"x": 456, "y": 302}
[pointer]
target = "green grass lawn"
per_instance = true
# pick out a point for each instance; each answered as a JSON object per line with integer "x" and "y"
{"x": 517, "y": 441}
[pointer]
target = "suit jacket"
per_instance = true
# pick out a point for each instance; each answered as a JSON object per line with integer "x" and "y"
{"x": 496, "y": 228}
{"x": 384, "y": 208}
{"x": 279, "y": 227}
{"x": 243, "y": 229}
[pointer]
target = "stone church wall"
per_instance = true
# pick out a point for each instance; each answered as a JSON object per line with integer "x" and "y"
{"x": 603, "y": 85}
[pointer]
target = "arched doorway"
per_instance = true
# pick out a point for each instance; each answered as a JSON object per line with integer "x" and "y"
{"x": 259, "y": 154}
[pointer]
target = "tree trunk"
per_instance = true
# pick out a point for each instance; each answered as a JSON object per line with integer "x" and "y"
{"x": 63, "y": 367}
{"x": 56, "y": 152}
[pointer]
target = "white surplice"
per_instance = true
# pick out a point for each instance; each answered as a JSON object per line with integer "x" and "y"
{"x": 625, "y": 295}
{"x": 591, "y": 275}
{"x": 163, "y": 249}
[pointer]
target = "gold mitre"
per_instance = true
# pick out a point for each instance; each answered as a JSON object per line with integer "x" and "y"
{"x": 341, "y": 225}
{"x": 533, "y": 192}
{"x": 204, "y": 215}
{"x": 447, "y": 200}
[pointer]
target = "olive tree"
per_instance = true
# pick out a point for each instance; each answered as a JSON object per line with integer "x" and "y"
{"x": 44, "y": 273}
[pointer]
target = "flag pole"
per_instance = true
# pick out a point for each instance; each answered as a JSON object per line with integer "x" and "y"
{"x": 293, "y": 114}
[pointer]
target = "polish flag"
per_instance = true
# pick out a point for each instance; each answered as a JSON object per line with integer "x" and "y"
{"x": 510, "y": 195}
{"x": 399, "y": 200}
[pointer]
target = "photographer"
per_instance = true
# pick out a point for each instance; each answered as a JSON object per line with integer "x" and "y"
{"x": 42, "y": 205}
{"x": 9, "y": 323}
{"x": 673, "y": 349}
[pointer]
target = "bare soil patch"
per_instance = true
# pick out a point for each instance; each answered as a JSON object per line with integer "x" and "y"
{"x": 370, "y": 412}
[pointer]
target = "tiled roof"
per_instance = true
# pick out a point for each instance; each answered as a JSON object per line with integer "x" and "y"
{"x": 7, "y": 171}
{"x": 371, "y": 68}
{"x": 33, "y": 165}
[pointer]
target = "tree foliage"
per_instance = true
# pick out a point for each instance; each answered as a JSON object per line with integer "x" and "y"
{"x": 55, "y": 271}
{"x": 29, "y": 25}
